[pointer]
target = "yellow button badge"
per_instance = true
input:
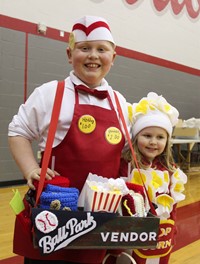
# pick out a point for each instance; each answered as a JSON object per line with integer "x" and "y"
{"x": 113, "y": 135}
{"x": 87, "y": 124}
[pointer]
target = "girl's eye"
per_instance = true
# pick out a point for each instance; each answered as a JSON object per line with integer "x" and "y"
{"x": 147, "y": 135}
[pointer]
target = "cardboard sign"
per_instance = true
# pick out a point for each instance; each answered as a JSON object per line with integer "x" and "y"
{"x": 55, "y": 230}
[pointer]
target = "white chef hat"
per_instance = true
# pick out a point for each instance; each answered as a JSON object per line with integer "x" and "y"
{"x": 90, "y": 28}
{"x": 153, "y": 110}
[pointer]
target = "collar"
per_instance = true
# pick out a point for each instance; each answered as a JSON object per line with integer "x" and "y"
{"x": 74, "y": 79}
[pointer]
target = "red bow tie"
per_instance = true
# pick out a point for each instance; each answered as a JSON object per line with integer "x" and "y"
{"x": 96, "y": 93}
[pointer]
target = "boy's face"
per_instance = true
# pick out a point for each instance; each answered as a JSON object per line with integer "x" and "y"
{"x": 91, "y": 61}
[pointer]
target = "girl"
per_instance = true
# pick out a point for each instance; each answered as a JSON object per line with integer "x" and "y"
{"x": 153, "y": 166}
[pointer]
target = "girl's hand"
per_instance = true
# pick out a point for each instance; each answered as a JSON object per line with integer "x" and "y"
{"x": 35, "y": 175}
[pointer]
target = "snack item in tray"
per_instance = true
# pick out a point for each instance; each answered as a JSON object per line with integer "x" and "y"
{"x": 57, "y": 180}
{"x": 127, "y": 204}
{"x": 103, "y": 194}
{"x": 59, "y": 198}
{"x": 55, "y": 205}
{"x": 133, "y": 204}
{"x": 136, "y": 188}
{"x": 52, "y": 188}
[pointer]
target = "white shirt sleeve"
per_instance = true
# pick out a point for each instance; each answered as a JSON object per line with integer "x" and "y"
{"x": 33, "y": 118}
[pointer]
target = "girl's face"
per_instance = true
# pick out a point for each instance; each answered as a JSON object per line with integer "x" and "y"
{"x": 91, "y": 61}
{"x": 151, "y": 142}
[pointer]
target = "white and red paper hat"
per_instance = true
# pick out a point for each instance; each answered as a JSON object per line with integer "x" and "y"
{"x": 90, "y": 28}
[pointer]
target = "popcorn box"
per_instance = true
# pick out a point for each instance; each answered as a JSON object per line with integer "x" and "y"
{"x": 82, "y": 196}
{"x": 102, "y": 194}
{"x": 101, "y": 202}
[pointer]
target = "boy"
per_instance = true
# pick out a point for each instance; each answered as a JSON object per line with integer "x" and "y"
{"x": 85, "y": 138}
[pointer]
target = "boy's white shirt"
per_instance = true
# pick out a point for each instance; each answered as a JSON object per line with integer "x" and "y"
{"x": 33, "y": 118}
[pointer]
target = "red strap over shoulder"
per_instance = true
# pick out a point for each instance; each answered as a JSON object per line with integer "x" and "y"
{"x": 51, "y": 135}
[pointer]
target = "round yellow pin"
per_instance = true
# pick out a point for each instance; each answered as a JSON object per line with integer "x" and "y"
{"x": 113, "y": 135}
{"x": 86, "y": 124}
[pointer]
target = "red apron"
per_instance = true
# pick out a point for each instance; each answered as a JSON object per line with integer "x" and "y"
{"x": 81, "y": 152}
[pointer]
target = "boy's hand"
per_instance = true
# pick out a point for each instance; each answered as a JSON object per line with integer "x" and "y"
{"x": 35, "y": 175}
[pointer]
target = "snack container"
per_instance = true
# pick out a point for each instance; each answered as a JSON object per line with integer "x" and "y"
{"x": 100, "y": 194}
{"x": 96, "y": 201}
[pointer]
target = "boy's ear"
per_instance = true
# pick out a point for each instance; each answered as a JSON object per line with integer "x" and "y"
{"x": 114, "y": 56}
{"x": 69, "y": 54}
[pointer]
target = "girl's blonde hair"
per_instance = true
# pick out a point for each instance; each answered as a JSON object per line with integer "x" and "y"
{"x": 166, "y": 158}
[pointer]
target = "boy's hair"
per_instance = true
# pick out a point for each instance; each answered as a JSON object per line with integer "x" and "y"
{"x": 166, "y": 158}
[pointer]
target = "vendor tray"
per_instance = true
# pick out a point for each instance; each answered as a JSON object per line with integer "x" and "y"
{"x": 55, "y": 230}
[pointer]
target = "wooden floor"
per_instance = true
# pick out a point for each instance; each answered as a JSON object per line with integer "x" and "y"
{"x": 186, "y": 255}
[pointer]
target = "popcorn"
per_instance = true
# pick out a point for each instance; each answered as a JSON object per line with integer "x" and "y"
{"x": 179, "y": 178}
{"x": 115, "y": 186}
{"x": 165, "y": 205}
{"x": 103, "y": 194}
{"x": 164, "y": 191}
